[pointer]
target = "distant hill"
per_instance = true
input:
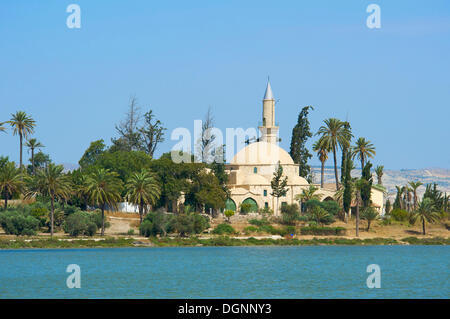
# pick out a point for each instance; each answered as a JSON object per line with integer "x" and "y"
{"x": 401, "y": 177}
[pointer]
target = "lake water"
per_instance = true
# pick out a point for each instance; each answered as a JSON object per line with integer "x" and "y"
{"x": 228, "y": 272}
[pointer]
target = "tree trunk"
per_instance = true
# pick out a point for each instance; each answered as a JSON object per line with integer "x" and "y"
{"x": 357, "y": 214}
{"x": 103, "y": 220}
{"x": 141, "y": 208}
{"x": 20, "y": 137}
{"x": 277, "y": 206}
{"x": 335, "y": 168}
{"x": 52, "y": 214}
{"x": 423, "y": 226}
{"x": 415, "y": 199}
{"x": 362, "y": 163}
{"x": 32, "y": 159}
{"x": 368, "y": 225}
{"x": 6, "y": 198}
{"x": 322, "y": 172}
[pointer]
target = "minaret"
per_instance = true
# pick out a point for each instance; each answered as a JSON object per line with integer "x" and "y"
{"x": 269, "y": 130}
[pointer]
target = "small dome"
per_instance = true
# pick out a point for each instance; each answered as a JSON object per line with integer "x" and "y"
{"x": 254, "y": 179}
{"x": 297, "y": 180}
{"x": 262, "y": 153}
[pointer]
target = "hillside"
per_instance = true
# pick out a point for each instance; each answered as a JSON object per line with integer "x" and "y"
{"x": 391, "y": 178}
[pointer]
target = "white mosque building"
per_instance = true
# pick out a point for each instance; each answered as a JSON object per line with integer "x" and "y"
{"x": 252, "y": 168}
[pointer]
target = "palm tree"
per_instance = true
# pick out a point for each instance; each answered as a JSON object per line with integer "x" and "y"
{"x": 370, "y": 214}
{"x": 363, "y": 149}
{"x": 2, "y": 128}
{"x": 33, "y": 144}
{"x": 104, "y": 189}
{"x": 425, "y": 213}
{"x": 11, "y": 181}
{"x": 414, "y": 187}
{"x": 335, "y": 134}
{"x": 23, "y": 125}
{"x": 319, "y": 214}
{"x": 322, "y": 150}
{"x": 143, "y": 189}
{"x": 379, "y": 171}
{"x": 308, "y": 194}
{"x": 51, "y": 182}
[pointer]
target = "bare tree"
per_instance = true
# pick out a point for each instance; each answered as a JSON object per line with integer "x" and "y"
{"x": 152, "y": 133}
{"x": 129, "y": 139}
{"x": 206, "y": 146}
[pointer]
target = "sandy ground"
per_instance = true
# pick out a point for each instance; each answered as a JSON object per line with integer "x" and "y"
{"x": 121, "y": 223}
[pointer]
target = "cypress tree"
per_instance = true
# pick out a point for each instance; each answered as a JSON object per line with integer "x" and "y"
{"x": 367, "y": 187}
{"x": 300, "y": 134}
{"x": 347, "y": 196}
{"x": 345, "y": 150}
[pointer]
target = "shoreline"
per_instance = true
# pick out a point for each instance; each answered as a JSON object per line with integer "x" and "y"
{"x": 220, "y": 241}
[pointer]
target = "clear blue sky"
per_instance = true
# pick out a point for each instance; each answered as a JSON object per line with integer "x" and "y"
{"x": 179, "y": 57}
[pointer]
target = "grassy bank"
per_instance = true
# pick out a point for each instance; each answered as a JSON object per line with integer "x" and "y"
{"x": 215, "y": 241}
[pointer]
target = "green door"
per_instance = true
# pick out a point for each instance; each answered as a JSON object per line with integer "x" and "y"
{"x": 230, "y": 205}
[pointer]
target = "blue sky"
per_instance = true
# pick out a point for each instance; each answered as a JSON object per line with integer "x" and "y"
{"x": 179, "y": 57}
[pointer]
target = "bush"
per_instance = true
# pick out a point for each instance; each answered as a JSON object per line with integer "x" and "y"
{"x": 400, "y": 215}
{"x": 80, "y": 223}
{"x": 223, "y": 229}
{"x": 289, "y": 214}
{"x": 266, "y": 211}
{"x": 18, "y": 223}
{"x": 146, "y": 228}
{"x": 246, "y": 208}
{"x": 250, "y": 229}
{"x": 130, "y": 232}
{"x": 259, "y": 222}
{"x": 330, "y": 206}
{"x": 228, "y": 213}
{"x": 162, "y": 223}
{"x": 186, "y": 224}
{"x": 269, "y": 229}
{"x": 322, "y": 231}
{"x": 288, "y": 230}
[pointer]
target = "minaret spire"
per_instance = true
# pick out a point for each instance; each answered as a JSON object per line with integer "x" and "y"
{"x": 269, "y": 130}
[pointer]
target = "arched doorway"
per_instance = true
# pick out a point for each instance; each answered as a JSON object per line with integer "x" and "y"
{"x": 230, "y": 205}
{"x": 250, "y": 205}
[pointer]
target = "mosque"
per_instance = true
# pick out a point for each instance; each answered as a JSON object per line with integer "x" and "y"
{"x": 251, "y": 170}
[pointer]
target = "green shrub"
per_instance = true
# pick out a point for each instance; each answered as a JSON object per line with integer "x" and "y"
{"x": 400, "y": 215}
{"x": 228, "y": 213}
{"x": 146, "y": 228}
{"x": 259, "y": 222}
{"x": 288, "y": 230}
{"x": 80, "y": 223}
{"x": 289, "y": 214}
{"x": 246, "y": 208}
{"x": 130, "y": 232}
{"x": 223, "y": 229}
{"x": 250, "y": 229}
{"x": 269, "y": 229}
{"x": 187, "y": 224}
{"x": 323, "y": 231}
{"x": 266, "y": 211}
{"x": 18, "y": 223}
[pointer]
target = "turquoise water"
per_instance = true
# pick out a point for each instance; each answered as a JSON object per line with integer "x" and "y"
{"x": 228, "y": 272}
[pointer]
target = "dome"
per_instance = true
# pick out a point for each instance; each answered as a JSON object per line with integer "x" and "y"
{"x": 297, "y": 180}
{"x": 262, "y": 153}
{"x": 254, "y": 179}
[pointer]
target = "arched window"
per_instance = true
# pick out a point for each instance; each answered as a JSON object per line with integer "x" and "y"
{"x": 255, "y": 170}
